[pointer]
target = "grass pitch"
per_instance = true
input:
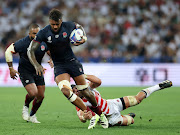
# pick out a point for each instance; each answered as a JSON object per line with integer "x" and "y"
{"x": 157, "y": 115}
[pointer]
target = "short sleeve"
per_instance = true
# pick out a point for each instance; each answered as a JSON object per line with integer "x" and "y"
{"x": 46, "y": 47}
{"x": 18, "y": 46}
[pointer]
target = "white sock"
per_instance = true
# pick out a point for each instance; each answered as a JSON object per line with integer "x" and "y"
{"x": 150, "y": 90}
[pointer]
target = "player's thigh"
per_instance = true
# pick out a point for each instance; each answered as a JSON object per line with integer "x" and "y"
{"x": 59, "y": 69}
{"x": 80, "y": 80}
{"x": 31, "y": 89}
{"x": 64, "y": 76}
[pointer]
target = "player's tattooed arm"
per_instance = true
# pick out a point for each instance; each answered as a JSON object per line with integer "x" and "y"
{"x": 31, "y": 54}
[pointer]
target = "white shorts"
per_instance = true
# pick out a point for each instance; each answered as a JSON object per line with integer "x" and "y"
{"x": 115, "y": 107}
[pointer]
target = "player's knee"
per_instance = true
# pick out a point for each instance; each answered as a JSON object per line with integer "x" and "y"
{"x": 64, "y": 84}
{"x": 40, "y": 97}
{"x": 65, "y": 87}
{"x": 133, "y": 100}
{"x": 33, "y": 93}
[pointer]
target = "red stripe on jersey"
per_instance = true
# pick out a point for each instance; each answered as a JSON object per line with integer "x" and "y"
{"x": 96, "y": 96}
{"x": 105, "y": 107}
{"x": 107, "y": 111}
{"x": 101, "y": 103}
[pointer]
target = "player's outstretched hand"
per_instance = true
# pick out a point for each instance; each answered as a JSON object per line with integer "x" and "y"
{"x": 39, "y": 70}
{"x": 13, "y": 73}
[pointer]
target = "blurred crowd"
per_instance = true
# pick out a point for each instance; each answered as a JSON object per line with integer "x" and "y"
{"x": 117, "y": 30}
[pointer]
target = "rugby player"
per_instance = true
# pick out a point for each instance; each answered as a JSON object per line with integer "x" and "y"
{"x": 112, "y": 107}
{"x": 56, "y": 36}
{"x": 33, "y": 83}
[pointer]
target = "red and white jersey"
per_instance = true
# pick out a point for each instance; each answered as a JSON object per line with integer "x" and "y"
{"x": 101, "y": 102}
{"x": 111, "y": 107}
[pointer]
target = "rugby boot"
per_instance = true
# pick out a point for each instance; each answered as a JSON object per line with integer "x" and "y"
{"x": 165, "y": 84}
{"x": 25, "y": 114}
{"x": 103, "y": 121}
{"x": 93, "y": 121}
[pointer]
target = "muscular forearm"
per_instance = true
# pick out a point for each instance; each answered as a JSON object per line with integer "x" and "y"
{"x": 10, "y": 64}
{"x": 95, "y": 81}
{"x": 31, "y": 53}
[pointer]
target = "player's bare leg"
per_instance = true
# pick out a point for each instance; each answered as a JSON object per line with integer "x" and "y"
{"x": 38, "y": 93}
{"x": 135, "y": 100}
{"x": 31, "y": 89}
{"x": 62, "y": 81}
{"x": 80, "y": 82}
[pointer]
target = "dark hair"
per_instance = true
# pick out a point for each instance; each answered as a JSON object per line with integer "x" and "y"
{"x": 33, "y": 26}
{"x": 55, "y": 15}
{"x": 72, "y": 86}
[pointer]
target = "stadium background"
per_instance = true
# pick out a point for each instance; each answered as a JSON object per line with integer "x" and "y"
{"x": 122, "y": 33}
{"x": 130, "y": 43}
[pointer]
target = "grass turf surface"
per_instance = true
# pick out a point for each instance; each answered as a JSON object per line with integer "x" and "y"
{"x": 157, "y": 115}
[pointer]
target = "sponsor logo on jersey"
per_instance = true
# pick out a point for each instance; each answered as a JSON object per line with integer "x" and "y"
{"x": 56, "y": 36}
{"x": 42, "y": 47}
{"x": 27, "y": 81}
{"x": 49, "y": 39}
{"x": 64, "y": 34}
{"x": 80, "y": 69}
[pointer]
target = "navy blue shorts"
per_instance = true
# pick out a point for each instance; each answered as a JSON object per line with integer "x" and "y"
{"x": 28, "y": 78}
{"x": 73, "y": 67}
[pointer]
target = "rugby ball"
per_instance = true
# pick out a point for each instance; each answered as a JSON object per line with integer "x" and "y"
{"x": 76, "y": 35}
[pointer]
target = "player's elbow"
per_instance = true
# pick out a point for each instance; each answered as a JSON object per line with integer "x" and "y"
{"x": 99, "y": 82}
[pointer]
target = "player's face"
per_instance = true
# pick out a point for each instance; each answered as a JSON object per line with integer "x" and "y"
{"x": 55, "y": 26}
{"x": 33, "y": 32}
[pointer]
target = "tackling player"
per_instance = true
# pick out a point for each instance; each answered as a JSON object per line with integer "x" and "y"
{"x": 34, "y": 84}
{"x": 112, "y": 107}
{"x": 56, "y": 36}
